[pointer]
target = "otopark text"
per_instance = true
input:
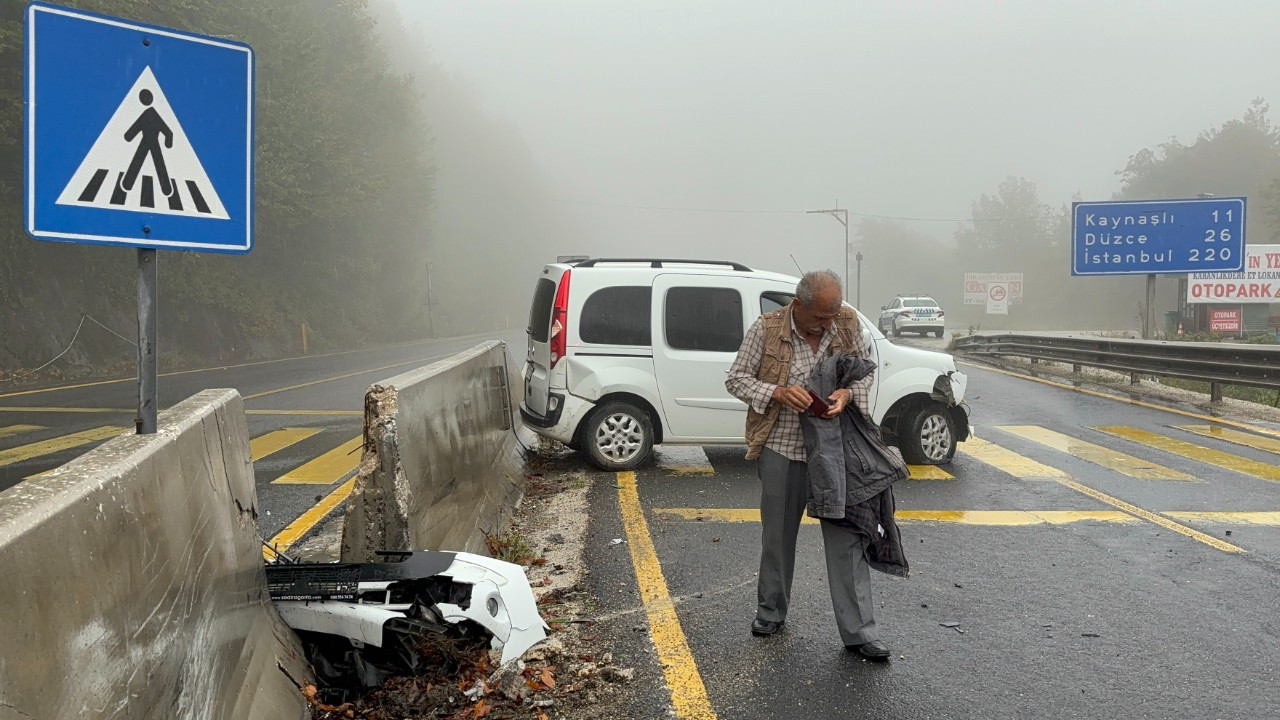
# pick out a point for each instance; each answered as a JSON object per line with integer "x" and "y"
{"x": 1156, "y": 237}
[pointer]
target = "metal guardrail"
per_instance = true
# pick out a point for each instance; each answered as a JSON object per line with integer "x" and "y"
{"x": 1215, "y": 363}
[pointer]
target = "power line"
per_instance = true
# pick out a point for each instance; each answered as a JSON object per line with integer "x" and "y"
{"x": 791, "y": 212}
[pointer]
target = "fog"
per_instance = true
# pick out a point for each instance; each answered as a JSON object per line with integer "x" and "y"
{"x": 707, "y": 129}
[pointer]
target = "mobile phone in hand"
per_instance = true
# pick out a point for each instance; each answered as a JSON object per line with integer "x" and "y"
{"x": 817, "y": 405}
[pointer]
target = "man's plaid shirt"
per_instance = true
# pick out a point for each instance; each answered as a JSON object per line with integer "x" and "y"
{"x": 786, "y": 438}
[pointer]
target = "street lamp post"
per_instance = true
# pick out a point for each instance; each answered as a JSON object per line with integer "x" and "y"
{"x": 842, "y": 216}
{"x": 858, "y": 257}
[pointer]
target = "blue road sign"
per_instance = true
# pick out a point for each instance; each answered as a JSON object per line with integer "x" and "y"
{"x": 1154, "y": 237}
{"x": 136, "y": 135}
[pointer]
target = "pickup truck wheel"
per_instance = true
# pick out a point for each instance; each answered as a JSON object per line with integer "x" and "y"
{"x": 927, "y": 436}
{"x": 617, "y": 436}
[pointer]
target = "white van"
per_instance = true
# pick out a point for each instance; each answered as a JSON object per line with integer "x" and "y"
{"x": 628, "y": 353}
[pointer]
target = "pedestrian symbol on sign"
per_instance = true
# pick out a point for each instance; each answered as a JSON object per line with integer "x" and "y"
{"x": 142, "y": 150}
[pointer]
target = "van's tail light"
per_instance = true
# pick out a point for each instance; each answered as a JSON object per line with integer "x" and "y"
{"x": 560, "y": 319}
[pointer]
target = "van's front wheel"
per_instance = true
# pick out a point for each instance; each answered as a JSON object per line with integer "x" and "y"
{"x": 927, "y": 435}
{"x": 617, "y": 436}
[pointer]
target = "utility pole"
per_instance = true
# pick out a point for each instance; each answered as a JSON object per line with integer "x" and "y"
{"x": 431, "y": 320}
{"x": 841, "y": 215}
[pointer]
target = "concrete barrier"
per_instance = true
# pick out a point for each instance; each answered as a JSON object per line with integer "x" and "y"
{"x": 440, "y": 467}
{"x": 133, "y": 583}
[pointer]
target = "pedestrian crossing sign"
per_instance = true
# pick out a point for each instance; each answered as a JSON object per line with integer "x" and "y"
{"x": 136, "y": 135}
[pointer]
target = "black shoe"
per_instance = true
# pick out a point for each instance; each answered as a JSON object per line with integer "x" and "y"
{"x": 874, "y": 650}
{"x": 761, "y": 628}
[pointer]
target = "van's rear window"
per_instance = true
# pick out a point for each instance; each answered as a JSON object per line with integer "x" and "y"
{"x": 617, "y": 316}
{"x": 544, "y": 294}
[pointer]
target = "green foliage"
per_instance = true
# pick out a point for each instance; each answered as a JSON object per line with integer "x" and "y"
{"x": 344, "y": 186}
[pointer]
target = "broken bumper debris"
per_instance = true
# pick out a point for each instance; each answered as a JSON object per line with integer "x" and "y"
{"x": 366, "y": 620}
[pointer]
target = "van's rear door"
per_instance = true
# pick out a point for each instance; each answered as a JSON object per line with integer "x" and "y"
{"x": 537, "y": 368}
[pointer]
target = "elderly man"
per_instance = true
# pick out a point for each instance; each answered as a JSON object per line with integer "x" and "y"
{"x": 777, "y": 357}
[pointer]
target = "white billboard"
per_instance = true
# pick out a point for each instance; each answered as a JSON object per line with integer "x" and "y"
{"x": 976, "y": 291}
{"x": 1259, "y": 283}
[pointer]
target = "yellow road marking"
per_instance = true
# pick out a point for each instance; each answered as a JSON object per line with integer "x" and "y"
{"x": 341, "y": 377}
{"x": 328, "y": 468}
{"x": 12, "y": 430}
{"x": 277, "y": 440}
{"x": 53, "y": 445}
{"x": 1008, "y": 518}
{"x": 20, "y": 408}
{"x": 36, "y": 409}
{"x": 928, "y": 472}
{"x": 1004, "y": 459}
{"x": 1096, "y": 454}
{"x": 1240, "y": 518}
{"x": 1119, "y": 398}
{"x": 1149, "y": 516}
{"x": 1234, "y": 436}
{"x": 688, "y": 693}
{"x": 1260, "y": 470}
{"x": 285, "y": 539}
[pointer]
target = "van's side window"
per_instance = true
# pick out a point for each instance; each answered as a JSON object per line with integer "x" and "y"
{"x": 771, "y": 301}
{"x": 703, "y": 318}
{"x": 617, "y": 316}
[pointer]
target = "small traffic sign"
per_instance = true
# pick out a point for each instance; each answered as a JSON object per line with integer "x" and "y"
{"x": 136, "y": 135}
{"x": 1152, "y": 237}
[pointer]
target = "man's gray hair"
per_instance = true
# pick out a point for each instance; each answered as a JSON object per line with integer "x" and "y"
{"x": 814, "y": 283}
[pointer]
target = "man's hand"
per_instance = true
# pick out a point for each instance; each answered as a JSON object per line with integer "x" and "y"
{"x": 838, "y": 401}
{"x": 793, "y": 396}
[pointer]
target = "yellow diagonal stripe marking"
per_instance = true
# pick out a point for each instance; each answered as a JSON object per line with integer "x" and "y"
{"x": 278, "y": 440}
{"x": 1007, "y": 460}
{"x": 688, "y": 693}
{"x": 58, "y": 444}
{"x": 1096, "y": 454}
{"x": 1240, "y": 438}
{"x": 1231, "y": 518}
{"x": 928, "y": 472}
{"x": 1007, "y": 518}
{"x": 285, "y": 539}
{"x": 12, "y": 430}
{"x": 1260, "y": 470}
{"x": 1149, "y": 516}
{"x": 328, "y": 468}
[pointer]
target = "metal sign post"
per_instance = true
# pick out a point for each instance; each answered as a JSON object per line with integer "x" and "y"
{"x": 137, "y": 136}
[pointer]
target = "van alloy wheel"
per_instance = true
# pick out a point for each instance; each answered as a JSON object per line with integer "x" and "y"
{"x": 617, "y": 436}
{"x": 620, "y": 437}
{"x": 936, "y": 438}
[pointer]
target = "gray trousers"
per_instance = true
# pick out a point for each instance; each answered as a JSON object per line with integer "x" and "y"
{"x": 784, "y": 490}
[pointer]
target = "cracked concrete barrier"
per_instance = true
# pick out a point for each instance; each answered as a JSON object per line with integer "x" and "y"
{"x": 133, "y": 582}
{"x": 440, "y": 467}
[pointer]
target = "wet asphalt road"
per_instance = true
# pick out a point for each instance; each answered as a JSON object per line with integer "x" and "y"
{"x": 1115, "y": 618}
{"x": 323, "y": 394}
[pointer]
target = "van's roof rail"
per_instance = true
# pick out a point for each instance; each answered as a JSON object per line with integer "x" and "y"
{"x": 660, "y": 262}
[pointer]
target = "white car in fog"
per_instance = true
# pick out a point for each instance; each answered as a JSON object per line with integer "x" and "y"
{"x": 626, "y": 354}
{"x": 912, "y": 313}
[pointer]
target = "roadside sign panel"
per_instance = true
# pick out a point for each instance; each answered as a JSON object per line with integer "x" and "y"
{"x": 997, "y": 298}
{"x": 136, "y": 135}
{"x": 1151, "y": 237}
{"x": 1226, "y": 320}
{"x": 1259, "y": 282}
{"x": 975, "y": 286}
